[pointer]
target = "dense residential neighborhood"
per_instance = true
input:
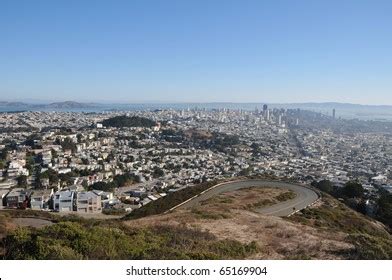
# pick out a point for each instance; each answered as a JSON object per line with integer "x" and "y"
{"x": 120, "y": 161}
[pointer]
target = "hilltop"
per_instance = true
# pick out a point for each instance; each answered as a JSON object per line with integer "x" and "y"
{"x": 125, "y": 121}
{"x": 327, "y": 230}
{"x": 223, "y": 227}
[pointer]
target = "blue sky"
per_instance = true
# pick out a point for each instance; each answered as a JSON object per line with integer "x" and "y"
{"x": 196, "y": 51}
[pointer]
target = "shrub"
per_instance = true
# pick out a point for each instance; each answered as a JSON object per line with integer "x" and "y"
{"x": 73, "y": 240}
{"x": 369, "y": 247}
{"x": 163, "y": 204}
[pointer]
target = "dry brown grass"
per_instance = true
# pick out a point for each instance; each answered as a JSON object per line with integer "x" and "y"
{"x": 247, "y": 199}
{"x": 278, "y": 238}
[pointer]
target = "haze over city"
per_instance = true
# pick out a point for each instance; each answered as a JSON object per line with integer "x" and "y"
{"x": 196, "y": 51}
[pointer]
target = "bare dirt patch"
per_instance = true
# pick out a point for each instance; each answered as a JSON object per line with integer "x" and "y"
{"x": 246, "y": 199}
{"x": 31, "y": 222}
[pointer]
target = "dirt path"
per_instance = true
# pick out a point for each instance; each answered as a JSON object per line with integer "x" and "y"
{"x": 31, "y": 222}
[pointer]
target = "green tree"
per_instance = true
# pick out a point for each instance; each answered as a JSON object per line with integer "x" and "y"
{"x": 157, "y": 172}
{"x": 125, "y": 179}
{"x": 102, "y": 186}
{"x": 325, "y": 186}
{"x": 22, "y": 181}
{"x": 51, "y": 175}
{"x": 85, "y": 184}
{"x": 68, "y": 178}
{"x": 54, "y": 153}
{"x": 4, "y": 154}
{"x": 384, "y": 211}
{"x": 79, "y": 136}
{"x": 68, "y": 144}
{"x": 30, "y": 163}
{"x": 244, "y": 172}
{"x": 353, "y": 190}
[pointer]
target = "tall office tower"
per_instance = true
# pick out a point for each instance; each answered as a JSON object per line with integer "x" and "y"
{"x": 267, "y": 115}
{"x": 265, "y": 110}
{"x": 280, "y": 120}
{"x": 334, "y": 113}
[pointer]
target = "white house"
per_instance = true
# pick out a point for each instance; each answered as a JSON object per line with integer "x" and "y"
{"x": 107, "y": 198}
{"x": 16, "y": 168}
{"x": 64, "y": 201}
{"x": 381, "y": 179}
{"x": 40, "y": 199}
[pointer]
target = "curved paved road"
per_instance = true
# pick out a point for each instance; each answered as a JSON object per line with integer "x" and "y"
{"x": 304, "y": 197}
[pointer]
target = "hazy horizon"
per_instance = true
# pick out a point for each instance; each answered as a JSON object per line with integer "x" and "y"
{"x": 107, "y": 102}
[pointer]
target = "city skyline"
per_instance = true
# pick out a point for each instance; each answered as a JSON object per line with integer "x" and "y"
{"x": 253, "y": 51}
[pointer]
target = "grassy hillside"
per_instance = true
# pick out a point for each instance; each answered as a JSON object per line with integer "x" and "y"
{"x": 89, "y": 239}
{"x": 371, "y": 239}
{"x": 220, "y": 228}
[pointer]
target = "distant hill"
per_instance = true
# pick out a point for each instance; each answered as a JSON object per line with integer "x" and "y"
{"x": 68, "y": 105}
{"x": 13, "y": 104}
{"x": 124, "y": 121}
{"x": 55, "y": 105}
